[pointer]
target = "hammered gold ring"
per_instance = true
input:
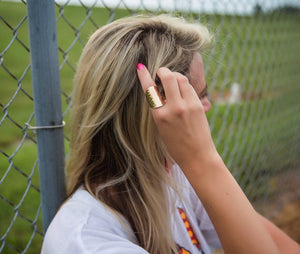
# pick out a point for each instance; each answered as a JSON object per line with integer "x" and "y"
{"x": 153, "y": 97}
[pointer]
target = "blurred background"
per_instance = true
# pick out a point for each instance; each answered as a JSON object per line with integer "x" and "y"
{"x": 253, "y": 78}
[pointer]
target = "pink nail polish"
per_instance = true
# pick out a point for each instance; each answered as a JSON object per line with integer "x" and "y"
{"x": 140, "y": 66}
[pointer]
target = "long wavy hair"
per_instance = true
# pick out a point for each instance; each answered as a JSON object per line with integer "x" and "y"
{"x": 116, "y": 151}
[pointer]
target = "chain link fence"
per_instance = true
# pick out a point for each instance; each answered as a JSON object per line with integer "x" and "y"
{"x": 20, "y": 227}
{"x": 253, "y": 78}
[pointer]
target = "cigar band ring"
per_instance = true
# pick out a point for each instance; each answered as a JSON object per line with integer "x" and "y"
{"x": 153, "y": 97}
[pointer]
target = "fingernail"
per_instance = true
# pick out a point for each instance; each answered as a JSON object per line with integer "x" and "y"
{"x": 140, "y": 66}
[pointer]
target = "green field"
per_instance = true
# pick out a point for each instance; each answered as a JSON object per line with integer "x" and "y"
{"x": 259, "y": 52}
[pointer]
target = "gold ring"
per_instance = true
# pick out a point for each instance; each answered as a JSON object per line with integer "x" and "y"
{"x": 153, "y": 97}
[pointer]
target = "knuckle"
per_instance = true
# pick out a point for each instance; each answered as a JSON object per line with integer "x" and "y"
{"x": 200, "y": 108}
{"x": 182, "y": 79}
{"x": 165, "y": 74}
{"x": 197, "y": 107}
{"x": 162, "y": 69}
{"x": 179, "y": 110}
{"x": 162, "y": 116}
{"x": 168, "y": 77}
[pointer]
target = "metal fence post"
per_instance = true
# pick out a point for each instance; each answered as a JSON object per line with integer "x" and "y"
{"x": 47, "y": 104}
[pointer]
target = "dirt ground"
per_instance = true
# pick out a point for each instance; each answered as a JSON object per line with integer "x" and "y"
{"x": 289, "y": 220}
{"x": 283, "y": 208}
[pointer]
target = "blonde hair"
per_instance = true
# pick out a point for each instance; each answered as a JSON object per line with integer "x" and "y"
{"x": 116, "y": 152}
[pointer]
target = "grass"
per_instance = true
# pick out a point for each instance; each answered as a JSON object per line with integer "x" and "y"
{"x": 260, "y": 53}
{"x": 20, "y": 188}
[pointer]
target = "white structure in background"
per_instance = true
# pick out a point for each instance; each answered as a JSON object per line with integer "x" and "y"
{"x": 235, "y": 94}
{"x": 203, "y": 6}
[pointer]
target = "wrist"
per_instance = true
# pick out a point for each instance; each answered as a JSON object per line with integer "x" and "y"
{"x": 203, "y": 167}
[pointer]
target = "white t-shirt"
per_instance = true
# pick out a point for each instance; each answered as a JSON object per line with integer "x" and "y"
{"x": 85, "y": 225}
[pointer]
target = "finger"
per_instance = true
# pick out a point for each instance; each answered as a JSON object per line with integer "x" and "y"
{"x": 150, "y": 89}
{"x": 187, "y": 91}
{"x": 183, "y": 82}
{"x": 144, "y": 77}
{"x": 170, "y": 84}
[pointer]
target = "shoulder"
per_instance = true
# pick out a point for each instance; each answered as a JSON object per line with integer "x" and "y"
{"x": 85, "y": 225}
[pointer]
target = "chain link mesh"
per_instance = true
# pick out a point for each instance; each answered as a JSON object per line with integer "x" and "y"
{"x": 19, "y": 185}
{"x": 252, "y": 74}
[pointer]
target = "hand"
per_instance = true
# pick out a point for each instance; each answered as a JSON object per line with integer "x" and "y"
{"x": 181, "y": 122}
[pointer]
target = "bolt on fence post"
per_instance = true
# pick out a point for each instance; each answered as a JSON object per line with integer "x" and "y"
{"x": 47, "y": 105}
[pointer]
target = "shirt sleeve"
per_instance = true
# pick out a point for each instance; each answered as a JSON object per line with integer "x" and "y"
{"x": 90, "y": 242}
{"x": 79, "y": 228}
{"x": 84, "y": 240}
{"x": 95, "y": 242}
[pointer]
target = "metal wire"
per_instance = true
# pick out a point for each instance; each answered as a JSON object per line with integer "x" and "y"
{"x": 253, "y": 77}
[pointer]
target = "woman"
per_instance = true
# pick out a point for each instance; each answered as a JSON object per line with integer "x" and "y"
{"x": 136, "y": 174}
